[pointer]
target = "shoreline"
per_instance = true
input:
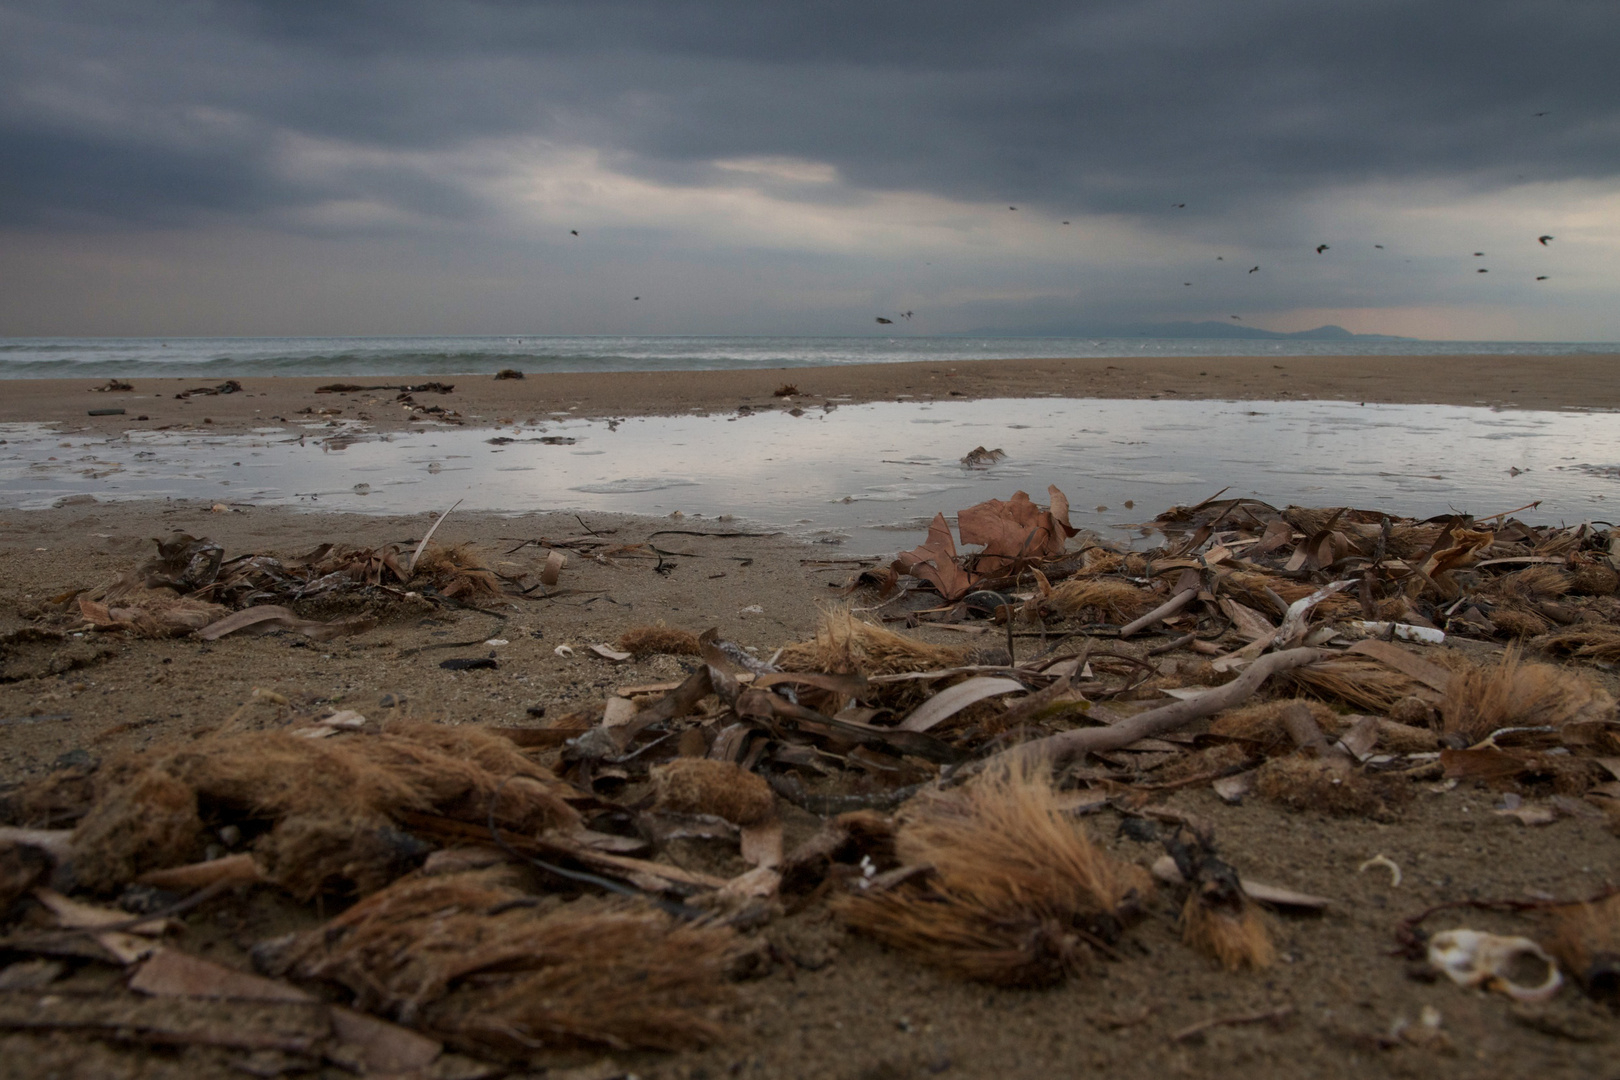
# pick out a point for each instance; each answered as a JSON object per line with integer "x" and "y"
{"x": 1508, "y": 382}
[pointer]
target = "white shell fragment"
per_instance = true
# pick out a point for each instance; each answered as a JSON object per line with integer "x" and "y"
{"x": 1402, "y": 631}
{"x": 1475, "y": 958}
{"x": 563, "y": 650}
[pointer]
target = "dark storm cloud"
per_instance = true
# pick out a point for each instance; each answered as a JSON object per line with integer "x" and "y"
{"x": 1069, "y": 106}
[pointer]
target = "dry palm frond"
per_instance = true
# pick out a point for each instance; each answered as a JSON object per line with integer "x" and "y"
{"x": 1479, "y": 701}
{"x": 640, "y": 641}
{"x": 1359, "y": 680}
{"x": 1252, "y": 587}
{"x": 469, "y": 958}
{"x": 1117, "y": 601}
{"x": 332, "y": 803}
{"x": 1098, "y": 562}
{"x": 1596, "y": 641}
{"x": 845, "y": 644}
{"x": 1586, "y": 940}
{"x": 1017, "y": 889}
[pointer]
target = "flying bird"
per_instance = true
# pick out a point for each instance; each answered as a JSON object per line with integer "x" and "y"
{"x": 1012, "y": 207}
{"x": 1237, "y": 317}
{"x": 1253, "y": 269}
{"x": 1186, "y": 283}
{"x": 1380, "y": 247}
{"x": 1482, "y": 270}
{"x": 1321, "y": 248}
{"x": 907, "y": 315}
{"x": 1178, "y": 206}
{"x": 884, "y": 321}
{"x": 1220, "y": 258}
{"x": 1479, "y": 254}
{"x": 1543, "y": 277}
{"x": 1543, "y": 240}
{"x": 1065, "y": 223}
{"x": 573, "y": 232}
{"x": 1539, "y": 114}
{"x": 635, "y": 298}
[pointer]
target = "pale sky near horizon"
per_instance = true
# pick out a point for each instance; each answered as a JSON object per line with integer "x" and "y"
{"x": 272, "y": 167}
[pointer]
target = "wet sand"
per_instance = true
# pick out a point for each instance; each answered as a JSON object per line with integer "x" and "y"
{"x": 1528, "y": 382}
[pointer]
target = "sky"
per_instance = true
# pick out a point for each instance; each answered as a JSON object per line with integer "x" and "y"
{"x": 281, "y": 167}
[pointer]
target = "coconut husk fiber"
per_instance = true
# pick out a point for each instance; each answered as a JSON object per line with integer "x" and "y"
{"x": 1513, "y": 693}
{"x": 472, "y": 959}
{"x": 1597, "y": 641}
{"x": 456, "y": 571}
{"x": 1262, "y": 723}
{"x": 1358, "y": 680}
{"x": 311, "y": 793}
{"x": 1301, "y": 782}
{"x": 641, "y": 641}
{"x": 720, "y": 788}
{"x": 844, "y": 644}
{"x": 1016, "y": 890}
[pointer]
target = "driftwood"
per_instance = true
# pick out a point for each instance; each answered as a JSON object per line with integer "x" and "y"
{"x": 1061, "y": 747}
{"x": 1163, "y": 611}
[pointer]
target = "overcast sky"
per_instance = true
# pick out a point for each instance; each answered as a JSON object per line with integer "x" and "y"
{"x": 174, "y": 167}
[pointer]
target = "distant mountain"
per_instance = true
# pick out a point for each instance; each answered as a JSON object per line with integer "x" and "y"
{"x": 1205, "y": 330}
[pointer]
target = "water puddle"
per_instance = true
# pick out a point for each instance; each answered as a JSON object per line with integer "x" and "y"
{"x": 869, "y": 476}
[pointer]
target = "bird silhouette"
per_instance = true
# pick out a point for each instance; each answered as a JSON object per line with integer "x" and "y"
{"x": 1220, "y": 258}
{"x": 884, "y": 321}
{"x": 1012, "y": 207}
{"x": 1539, "y": 114}
{"x": 1065, "y": 223}
{"x": 573, "y": 232}
{"x": 1253, "y": 269}
{"x": 1543, "y": 277}
{"x": 1186, "y": 283}
{"x": 1178, "y": 206}
{"x": 635, "y": 298}
{"x": 1237, "y": 317}
{"x": 1380, "y": 247}
{"x": 1479, "y": 254}
{"x": 1321, "y": 248}
{"x": 906, "y": 315}
{"x": 1543, "y": 240}
{"x": 1482, "y": 270}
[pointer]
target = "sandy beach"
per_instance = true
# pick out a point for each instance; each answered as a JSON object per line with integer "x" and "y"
{"x": 1527, "y": 382}
{"x": 843, "y": 1006}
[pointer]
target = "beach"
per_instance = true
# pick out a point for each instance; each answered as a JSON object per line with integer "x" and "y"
{"x": 839, "y": 1005}
{"x": 1526, "y": 382}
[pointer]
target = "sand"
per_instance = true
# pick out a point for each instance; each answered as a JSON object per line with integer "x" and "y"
{"x": 1529, "y": 382}
{"x": 844, "y": 1007}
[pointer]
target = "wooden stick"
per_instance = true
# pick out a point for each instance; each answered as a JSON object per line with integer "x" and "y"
{"x": 1061, "y": 747}
{"x": 1163, "y": 611}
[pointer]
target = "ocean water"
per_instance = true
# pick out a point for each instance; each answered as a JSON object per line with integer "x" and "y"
{"x": 41, "y": 358}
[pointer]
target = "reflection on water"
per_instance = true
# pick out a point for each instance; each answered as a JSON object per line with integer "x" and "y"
{"x": 870, "y": 474}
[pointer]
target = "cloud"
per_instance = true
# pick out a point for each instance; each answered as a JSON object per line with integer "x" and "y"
{"x": 858, "y": 138}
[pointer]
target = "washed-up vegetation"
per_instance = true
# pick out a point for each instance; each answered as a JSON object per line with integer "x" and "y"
{"x": 509, "y": 890}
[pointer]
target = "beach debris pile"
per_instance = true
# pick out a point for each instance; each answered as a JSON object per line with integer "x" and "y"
{"x": 1000, "y": 808}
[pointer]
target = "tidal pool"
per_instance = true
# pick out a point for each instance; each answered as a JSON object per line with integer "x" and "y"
{"x": 868, "y": 476}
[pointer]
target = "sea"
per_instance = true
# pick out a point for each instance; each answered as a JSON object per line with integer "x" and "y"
{"x": 46, "y": 358}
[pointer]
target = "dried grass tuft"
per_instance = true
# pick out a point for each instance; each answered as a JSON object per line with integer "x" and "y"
{"x": 1541, "y": 582}
{"x": 1115, "y": 601}
{"x": 845, "y": 644}
{"x": 1520, "y": 622}
{"x": 1595, "y": 641}
{"x": 1262, "y": 723}
{"x": 1479, "y": 701}
{"x": 147, "y": 824}
{"x": 471, "y": 959}
{"x": 1586, "y": 940}
{"x": 1591, "y": 579}
{"x": 1305, "y": 783}
{"x": 331, "y": 803}
{"x": 1099, "y": 561}
{"x": 640, "y": 641}
{"x": 1017, "y": 889}
{"x": 720, "y": 788}
{"x": 1234, "y": 933}
{"x": 1361, "y": 681}
{"x": 1211, "y": 761}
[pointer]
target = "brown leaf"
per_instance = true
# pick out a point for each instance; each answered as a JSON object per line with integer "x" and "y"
{"x": 935, "y": 562}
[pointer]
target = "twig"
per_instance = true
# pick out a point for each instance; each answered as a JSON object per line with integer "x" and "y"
{"x": 1270, "y": 1016}
{"x": 1172, "y": 646}
{"x": 1163, "y": 611}
{"x": 1166, "y": 718}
